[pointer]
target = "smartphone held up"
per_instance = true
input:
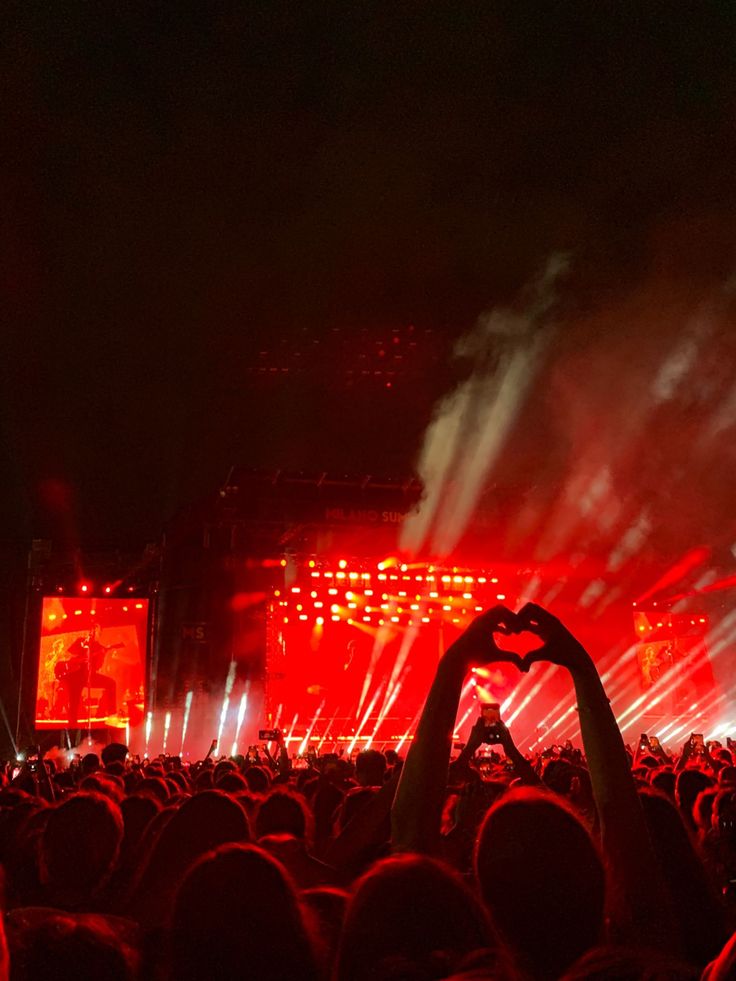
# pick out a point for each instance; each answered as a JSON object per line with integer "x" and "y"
{"x": 491, "y": 715}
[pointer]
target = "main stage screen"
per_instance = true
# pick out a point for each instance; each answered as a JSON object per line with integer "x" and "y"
{"x": 91, "y": 662}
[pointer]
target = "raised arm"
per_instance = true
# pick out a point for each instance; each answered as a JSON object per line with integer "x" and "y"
{"x": 417, "y": 809}
{"x": 522, "y": 767}
{"x": 640, "y": 899}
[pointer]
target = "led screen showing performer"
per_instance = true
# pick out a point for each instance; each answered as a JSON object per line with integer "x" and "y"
{"x": 91, "y": 662}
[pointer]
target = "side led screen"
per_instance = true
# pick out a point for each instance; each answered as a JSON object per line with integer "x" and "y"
{"x": 91, "y": 663}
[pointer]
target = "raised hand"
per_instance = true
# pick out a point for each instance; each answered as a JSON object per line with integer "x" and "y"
{"x": 559, "y": 645}
{"x": 476, "y": 645}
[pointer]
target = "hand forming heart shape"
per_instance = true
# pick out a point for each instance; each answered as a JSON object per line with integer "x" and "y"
{"x": 541, "y": 637}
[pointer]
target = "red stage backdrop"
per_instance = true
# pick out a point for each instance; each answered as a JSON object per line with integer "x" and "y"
{"x": 91, "y": 662}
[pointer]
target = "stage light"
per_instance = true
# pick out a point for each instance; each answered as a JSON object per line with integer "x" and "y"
{"x": 299, "y": 607}
{"x": 84, "y": 588}
{"x": 78, "y": 613}
{"x": 52, "y": 616}
{"x": 335, "y": 608}
{"x": 334, "y": 617}
{"x": 315, "y": 575}
{"x": 394, "y": 619}
{"x": 425, "y": 619}
{"x": 447, "y": 608}
{"x": 342, "y": 564}
{"x": 329, "y": 575}
{"x": 467, "y": 595}
{"x": 138, "y": 606}
{"x": 311, "y": 563}
{"x": 469, "y": 579}
{"x": 339, "y": 575}
{"x": 500, "y": 596}
{"x": 482, "y": 579}
{"x": 303, "y": 616}
{"x": 286, "y": 619}
{"x": 108, "y": 589}
{"x": 318, "y": 604}
{"x": 332, "y": 592}
{"x": 283, "y": 563}
{"x": 295, "y": 589}
{"x": 494, "y": 579}
{"x": 320, "y": 621}
{"x": 446, "y": 578}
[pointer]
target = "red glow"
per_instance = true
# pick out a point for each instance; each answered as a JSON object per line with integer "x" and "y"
{"x": 113, "y": 644}
{"x": 691, "y": 560}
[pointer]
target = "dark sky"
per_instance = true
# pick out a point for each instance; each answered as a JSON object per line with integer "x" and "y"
{"x": 185, "y": 185}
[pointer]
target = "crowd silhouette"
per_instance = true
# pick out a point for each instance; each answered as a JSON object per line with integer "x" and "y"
{"x": 605, "y": 861}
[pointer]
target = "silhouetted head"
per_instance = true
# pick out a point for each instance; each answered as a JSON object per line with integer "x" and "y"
{"x": 257, "y": 779}
{"x": 727, "y": 777}
{"x": 695, "y": 906}
{"x": 542, "y": 881}
{"x": 689, "y": 785}
{"x": 370, "y": 767}
{"x": 623, "y": 964}
{"x": 114, "y": 753}
{"x": 79, "y": 847}
{"x": 236, "y": 914}
{"x": 231, "y": 783}
{"x": 413, "y": 910}
{"x": 703, "y": 810}
{"x": 283, "y": 812}
{"x": 201, "y": 823}
{"x": 664, "y": 780}
{"x": 62, "y": 947}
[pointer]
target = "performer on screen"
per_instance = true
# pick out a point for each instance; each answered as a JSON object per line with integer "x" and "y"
{"x": 81, "y": 669}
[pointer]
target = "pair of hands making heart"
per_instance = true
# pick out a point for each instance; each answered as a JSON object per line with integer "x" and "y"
{"x": 549, "y": 639}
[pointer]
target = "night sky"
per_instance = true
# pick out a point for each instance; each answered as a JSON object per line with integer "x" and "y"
{"x": 190, "y": 187}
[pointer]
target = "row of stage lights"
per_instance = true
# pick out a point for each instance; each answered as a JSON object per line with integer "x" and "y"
{"x": 392, "y": 593}
{"x": 89, "y": 590}
{"x": 51, "y": 617}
